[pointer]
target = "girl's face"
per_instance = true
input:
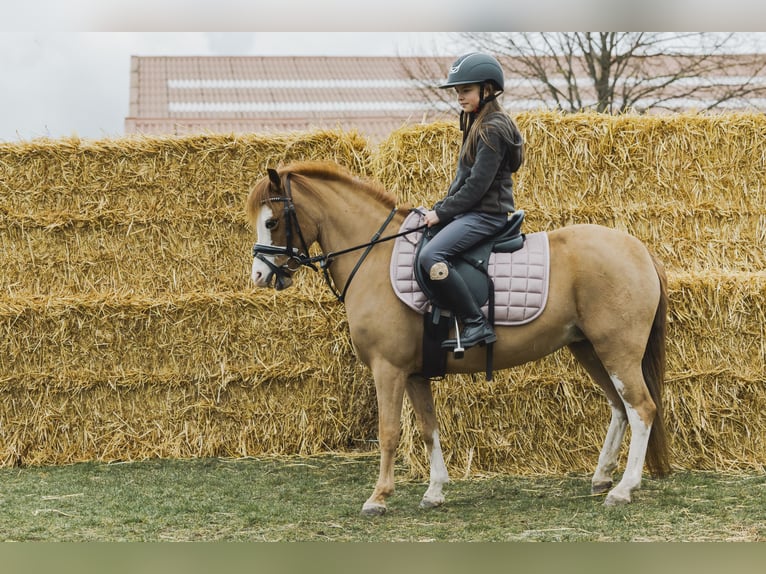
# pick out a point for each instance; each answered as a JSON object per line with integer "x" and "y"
{"x": 468, "y": 97}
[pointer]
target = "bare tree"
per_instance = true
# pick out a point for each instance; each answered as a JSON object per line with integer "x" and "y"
{"x": 614, "y": 72}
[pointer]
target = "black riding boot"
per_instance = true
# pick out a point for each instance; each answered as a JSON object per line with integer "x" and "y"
{"x": 453, "y": 291}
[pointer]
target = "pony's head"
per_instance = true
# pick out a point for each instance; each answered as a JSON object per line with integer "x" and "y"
{"x": 286, "y": 228}
{"x": 280, "y": 246}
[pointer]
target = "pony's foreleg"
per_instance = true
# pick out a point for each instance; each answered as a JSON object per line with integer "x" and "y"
{"x": 421, "y": 397}
{"x": 640, "y": 410}
{"x": 389, "y": 387}
{"x": 607, "y": 460}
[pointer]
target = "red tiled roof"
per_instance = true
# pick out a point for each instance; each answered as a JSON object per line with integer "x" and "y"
{"x": 374, "y": 95}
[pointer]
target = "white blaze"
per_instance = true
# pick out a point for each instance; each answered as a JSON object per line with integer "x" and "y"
{"x": 260, "y": 270}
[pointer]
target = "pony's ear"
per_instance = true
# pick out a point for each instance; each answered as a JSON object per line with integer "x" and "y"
{"x": 276, "y": 181}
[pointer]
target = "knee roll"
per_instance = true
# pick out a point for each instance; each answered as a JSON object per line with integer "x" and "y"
{"x": 438, "y": 271}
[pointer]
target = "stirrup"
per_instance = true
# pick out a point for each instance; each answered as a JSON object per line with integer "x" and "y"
{"x": 458, "y": 351}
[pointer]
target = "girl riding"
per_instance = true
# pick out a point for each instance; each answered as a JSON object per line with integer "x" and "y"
{"x": 481, "y": 195}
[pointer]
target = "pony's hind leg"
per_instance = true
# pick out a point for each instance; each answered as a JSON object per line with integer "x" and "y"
{"x": 630, "y": 401}
{"x": 610, "y": 451}
{"x": 422, "y": 400}
{"x": 640, "y": 410}
{"x": 608, "y": 458}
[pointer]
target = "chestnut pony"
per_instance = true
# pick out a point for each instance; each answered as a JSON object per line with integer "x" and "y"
{"x": 607, "y": 302}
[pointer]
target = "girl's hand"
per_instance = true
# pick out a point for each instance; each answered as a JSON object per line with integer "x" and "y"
{"x": 431, "y": 218}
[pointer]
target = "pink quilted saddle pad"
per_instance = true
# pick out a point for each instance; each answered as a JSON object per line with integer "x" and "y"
{"x": 520, "y": 278}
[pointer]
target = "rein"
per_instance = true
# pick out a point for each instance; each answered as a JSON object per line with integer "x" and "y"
{"x": 260, "y": 251}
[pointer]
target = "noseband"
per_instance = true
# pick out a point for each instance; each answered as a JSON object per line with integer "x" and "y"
{"x": 301, "y": 257}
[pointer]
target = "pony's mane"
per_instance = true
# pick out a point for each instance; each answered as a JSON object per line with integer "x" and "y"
{"x": 325, "y": 170}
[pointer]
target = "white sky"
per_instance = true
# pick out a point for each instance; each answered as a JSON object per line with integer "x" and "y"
{"x": 64, "y": 64}
{"x": 60, "y": 84}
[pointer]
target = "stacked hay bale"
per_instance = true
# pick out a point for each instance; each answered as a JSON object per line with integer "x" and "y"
{"x": 130, "y": 329}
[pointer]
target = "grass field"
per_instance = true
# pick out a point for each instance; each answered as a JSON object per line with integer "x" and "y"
{"x": 319, "y": 499}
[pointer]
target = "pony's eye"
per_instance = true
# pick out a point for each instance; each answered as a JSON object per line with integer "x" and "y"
{"x": 271, "y": 223}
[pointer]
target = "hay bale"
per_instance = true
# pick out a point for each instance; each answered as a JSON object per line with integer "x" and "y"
{"x": 196, "y": 375}
{"x": 140, "y": 215}
{"x": 129, "y": 329}
{"x": 60, "y": 182}
{"x": 689, "y": 185}
{"x": 416, "y": 163}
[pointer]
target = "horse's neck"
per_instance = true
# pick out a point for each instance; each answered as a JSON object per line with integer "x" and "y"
{"x": 349, "y": 220}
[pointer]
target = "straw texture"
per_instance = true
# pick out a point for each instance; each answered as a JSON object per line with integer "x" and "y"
{"x": 129, "y": 329}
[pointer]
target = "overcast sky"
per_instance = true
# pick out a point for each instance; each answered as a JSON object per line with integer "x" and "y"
{"x": 59, "y": 84}
{"x": 64, "y": 64}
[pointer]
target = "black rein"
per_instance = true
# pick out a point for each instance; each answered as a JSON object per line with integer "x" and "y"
{"x": 301, "y": 257}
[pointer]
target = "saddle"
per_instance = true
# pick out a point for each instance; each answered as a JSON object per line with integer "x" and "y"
{"x": 520, "y": 278}
{"x": 473, "y": 264}
{"x": 508, "y": 271}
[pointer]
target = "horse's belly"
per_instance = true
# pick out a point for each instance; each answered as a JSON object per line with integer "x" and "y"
{"x": 516, "y": 346}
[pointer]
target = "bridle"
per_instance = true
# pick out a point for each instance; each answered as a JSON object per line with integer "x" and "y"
{"x": 300, "y": 256}
{"x": 261, "y": 251}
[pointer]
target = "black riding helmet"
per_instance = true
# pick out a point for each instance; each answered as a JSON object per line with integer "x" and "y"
{"x": 475, "y": 68}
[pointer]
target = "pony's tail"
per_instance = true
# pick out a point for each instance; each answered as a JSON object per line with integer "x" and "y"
{"x": 653, "y": 367}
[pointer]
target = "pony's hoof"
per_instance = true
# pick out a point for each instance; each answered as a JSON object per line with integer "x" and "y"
{"x": 373, "y": 509}
{"x": 601, "y": 487}
{"x": 616, "y": 500}
{"x": 427, "y": 503}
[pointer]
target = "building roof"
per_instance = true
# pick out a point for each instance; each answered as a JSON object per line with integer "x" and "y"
{"x": 374, "y": 95}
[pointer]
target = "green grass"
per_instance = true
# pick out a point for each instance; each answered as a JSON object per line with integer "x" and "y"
{"x": 320, "y": 498}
